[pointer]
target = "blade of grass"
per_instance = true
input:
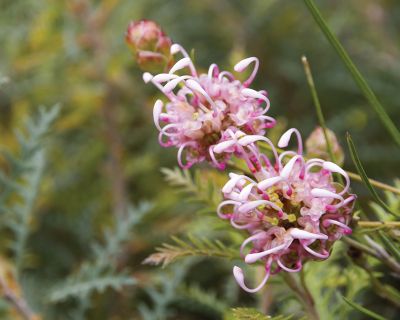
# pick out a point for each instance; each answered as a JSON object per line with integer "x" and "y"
{"x": 358, "y": 78}
{"x": 364, "y": 177}
{"x": 363, "y": 310}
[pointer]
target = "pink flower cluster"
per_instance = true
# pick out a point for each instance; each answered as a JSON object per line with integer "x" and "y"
{"x": 204, "y": 110}
{"x": 292, "y": 208}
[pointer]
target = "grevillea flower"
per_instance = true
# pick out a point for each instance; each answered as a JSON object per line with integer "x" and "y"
{"x": 205, "y": 110}
{"x": 292, "y": 208}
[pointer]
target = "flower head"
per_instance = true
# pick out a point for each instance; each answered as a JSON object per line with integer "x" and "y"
{"x": 149, "y": 44}
{"x": 205, "y": 110}
{"x": 292, "y": 208}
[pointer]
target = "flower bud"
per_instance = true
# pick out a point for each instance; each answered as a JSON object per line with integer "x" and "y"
{"x": 149, "y": 44}
{"x": 317, "y": 147}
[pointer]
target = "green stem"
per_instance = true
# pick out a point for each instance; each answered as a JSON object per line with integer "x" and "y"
{"x": 303, "y": 294}
{"x": 358, "y": 78}
{"x": 320, "y": 115}
{"x": 317, "y": 104}
{"x": 375, "y": 224}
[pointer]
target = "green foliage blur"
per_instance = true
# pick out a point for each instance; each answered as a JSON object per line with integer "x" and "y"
{"x": 103, "y": 156}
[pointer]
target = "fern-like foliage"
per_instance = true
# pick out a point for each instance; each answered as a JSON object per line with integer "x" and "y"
{"x": 163, "y": 295}
{"x": 204, "y": 299}
{"x": 19, "y": 188}
{"x": 88, "y": 281}
{"x": 195, "y": 187}
{"x": 253, "y": 314}
{"x": 169, "y": 253}
{"x": 100, "y": 274}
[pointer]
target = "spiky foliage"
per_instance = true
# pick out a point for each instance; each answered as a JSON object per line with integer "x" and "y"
{"x": 165, "y": 293}
{"x": 21, "y": 184}
{"x": 206, "y": 300}
{"x": 195, "y": 187}
{"x": 100, "y": 273}
{"x": 193, "y": 246}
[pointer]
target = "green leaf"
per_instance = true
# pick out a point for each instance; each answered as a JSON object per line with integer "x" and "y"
{"x": 84, "y": 288}
{"x": 23, "y": 180}
{"x": 363, "y": 175}
{"x": 205, "y": 298}
{"x": 193, "y": 246}
{"x": 196, "y": 188}
{"x": 363, "y": 310}
{"x": 100, "y": 273}
{"x": 358, "y": 78}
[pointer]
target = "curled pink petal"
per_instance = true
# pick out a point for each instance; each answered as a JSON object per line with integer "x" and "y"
{"x": 284, "y": 140}
{"x": 281, "y": 265}
{"x": 239, "y": 276}
{"x": 253, "y": 257}
{"x": 301, "y": 234}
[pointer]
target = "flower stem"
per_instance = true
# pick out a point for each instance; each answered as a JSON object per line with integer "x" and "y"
{"x": 19, "y": 303}
{"x": 303, "y": 294}
{"x": 318, "y": 108}
{"x": 374, "y": 224}
{"x": 317, "y": 104}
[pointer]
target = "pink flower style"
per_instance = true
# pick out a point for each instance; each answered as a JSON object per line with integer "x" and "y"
{"x": 293, "y": 209}
{"x": 204, "y": 110}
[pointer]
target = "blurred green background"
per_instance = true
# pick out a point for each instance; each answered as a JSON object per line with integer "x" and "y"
{"x": 104, "y": 151}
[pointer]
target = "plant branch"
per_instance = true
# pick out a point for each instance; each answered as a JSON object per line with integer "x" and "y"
{"x": 375, "y": 224}
{"x": 386, "y": 259}
{"x": 19, "y": 303}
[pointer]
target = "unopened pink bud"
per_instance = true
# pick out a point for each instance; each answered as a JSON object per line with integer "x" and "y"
{"x": 149, "y": 44}
{"x": 317, "y": 147}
